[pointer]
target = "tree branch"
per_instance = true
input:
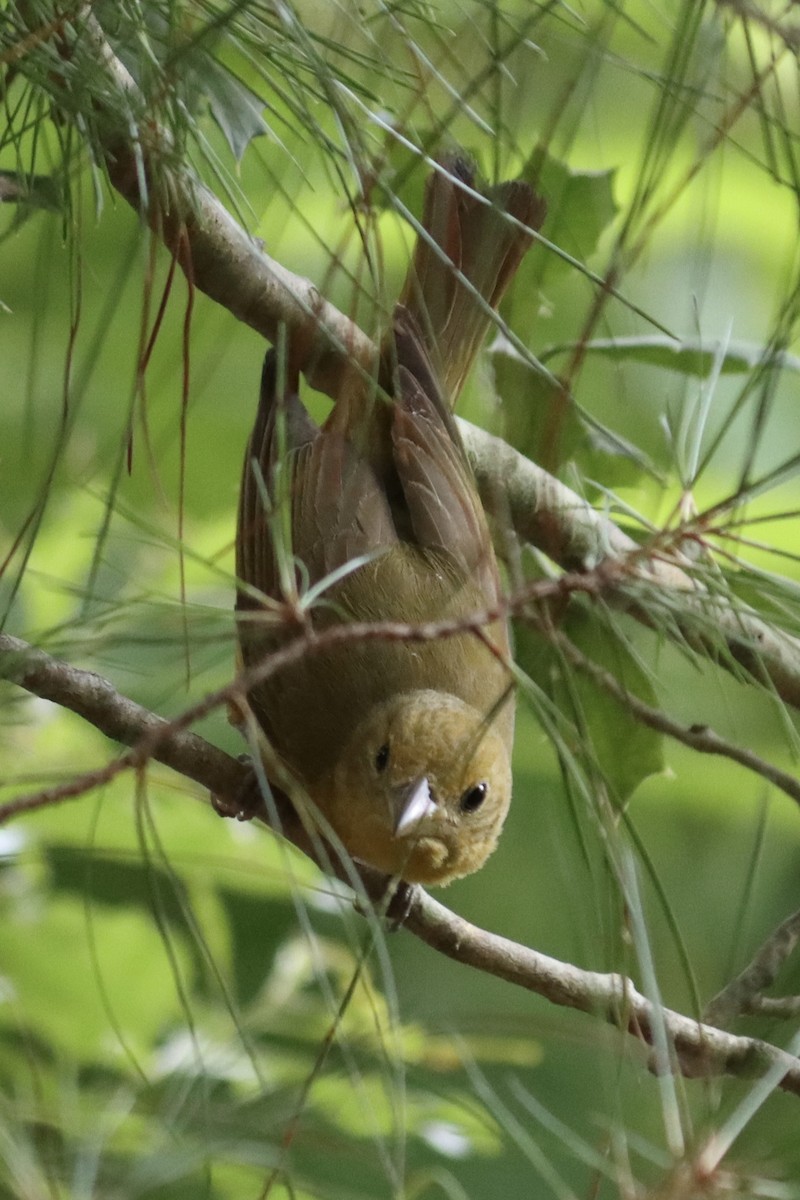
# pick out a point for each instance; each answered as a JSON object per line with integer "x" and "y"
{"x": 657, "y": 579}
{"x": 211, "y": 247}
{"x": 119, "y": 718}
{"x": 698, "y": 1049}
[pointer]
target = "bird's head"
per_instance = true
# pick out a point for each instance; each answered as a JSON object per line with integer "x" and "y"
{"x": 422, "y": 788}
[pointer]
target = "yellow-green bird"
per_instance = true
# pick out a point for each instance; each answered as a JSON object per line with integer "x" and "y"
{"x": 403, "y": 747}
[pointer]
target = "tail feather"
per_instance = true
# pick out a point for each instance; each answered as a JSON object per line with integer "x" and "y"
{"x": 472, "y": 244}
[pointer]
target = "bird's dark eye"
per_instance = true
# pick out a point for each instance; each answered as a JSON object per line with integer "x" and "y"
{"x": 382, "y": 758}
{"x": 474, "y": 797}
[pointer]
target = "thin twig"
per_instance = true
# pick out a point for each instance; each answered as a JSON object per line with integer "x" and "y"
{"x": 119, "y": 718}
{"x": 88, "y": 694}
{"x": 696, "y": 737}
{"x": 744, "y": 994}
{"x": 788, "y": 34}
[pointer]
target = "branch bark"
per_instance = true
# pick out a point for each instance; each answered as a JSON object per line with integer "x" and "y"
{"x": 119, "y": 718}
{"x": 213, "y": 250}
{"x": 697, "y": 1049}
{"x": 659, "y": 587}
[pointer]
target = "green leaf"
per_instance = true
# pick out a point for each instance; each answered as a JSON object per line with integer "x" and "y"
{"x": 580, "y": 207}
{"x": 537, "y": 414}
{"x": 235, "y": 108}
{"x": 604, "y": 733}
{"x": 690, "y": 356}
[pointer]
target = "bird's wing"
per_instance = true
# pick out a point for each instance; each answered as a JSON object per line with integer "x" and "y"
{"x": 309, "y": 502}
{"x": 439, "y": 491}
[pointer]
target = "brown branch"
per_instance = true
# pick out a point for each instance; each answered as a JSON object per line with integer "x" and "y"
{"x": 94, "y": 698}
{"x": 119, "y": 718}
{"x": 698, "y": 1049}
{"x": 231, "y": 269}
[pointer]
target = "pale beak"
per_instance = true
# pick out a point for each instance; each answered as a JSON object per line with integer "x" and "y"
{"x": 414, "y": 803}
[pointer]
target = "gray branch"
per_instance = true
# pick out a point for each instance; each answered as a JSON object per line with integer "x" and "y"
{"x": 213, "y": 250}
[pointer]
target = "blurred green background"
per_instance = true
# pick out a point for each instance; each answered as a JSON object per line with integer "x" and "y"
{"x": 168, "y": 981}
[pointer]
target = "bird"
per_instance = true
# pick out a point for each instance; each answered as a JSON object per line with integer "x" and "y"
{"x": 399, "y": 750}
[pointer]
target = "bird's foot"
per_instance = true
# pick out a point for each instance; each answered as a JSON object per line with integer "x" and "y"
{"x": 246, "y": 802}
{"x": 400, "y": 905}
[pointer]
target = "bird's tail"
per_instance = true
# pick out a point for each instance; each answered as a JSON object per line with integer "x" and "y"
{"x": 471, "y": 242}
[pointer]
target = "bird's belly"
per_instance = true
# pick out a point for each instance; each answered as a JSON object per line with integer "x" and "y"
{"x": 310, "y": 708}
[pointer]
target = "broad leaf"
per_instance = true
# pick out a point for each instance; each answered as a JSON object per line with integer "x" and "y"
{"x": 580, "y": 207}
{"x": 599, "y": 730}
{"x": 235, "y": 108}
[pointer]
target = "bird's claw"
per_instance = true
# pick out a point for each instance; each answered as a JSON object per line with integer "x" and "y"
{"x": 400, "y": 905}
{"x": 246, "y": 802}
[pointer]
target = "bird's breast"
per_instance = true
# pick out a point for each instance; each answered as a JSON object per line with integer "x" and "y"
{"x": 311, "y": 707}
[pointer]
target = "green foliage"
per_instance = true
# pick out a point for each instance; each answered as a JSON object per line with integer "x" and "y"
{"x": 580, "y": 208}
{"x": 594, "y": 726}
{"x": 236, "y": 109}
{"x": 167, "y": 987}
{"x": 544, "y": 421}
{"x": 187, "y": 1008}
